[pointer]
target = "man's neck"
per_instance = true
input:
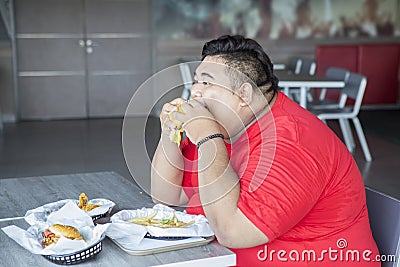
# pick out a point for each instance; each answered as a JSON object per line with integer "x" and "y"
{"x": 252, "y": 114}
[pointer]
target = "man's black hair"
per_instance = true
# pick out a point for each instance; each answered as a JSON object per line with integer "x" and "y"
{"x": 246, "y": 56}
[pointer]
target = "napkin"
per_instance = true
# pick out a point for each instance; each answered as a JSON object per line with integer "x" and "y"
{"x": 126, "y": 233}
{"x": 41, "y": 213}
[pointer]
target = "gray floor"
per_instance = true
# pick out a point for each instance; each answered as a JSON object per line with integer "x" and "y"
{"x": 76, "y": 146}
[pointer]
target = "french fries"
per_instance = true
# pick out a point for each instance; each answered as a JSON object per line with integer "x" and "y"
{"x": 84, "y": 205}
{"x": 149, "y": 220}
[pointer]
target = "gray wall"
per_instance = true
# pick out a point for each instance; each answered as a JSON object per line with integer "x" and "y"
{"x": 6, "y": 82}
{"x": 169, "y": 52}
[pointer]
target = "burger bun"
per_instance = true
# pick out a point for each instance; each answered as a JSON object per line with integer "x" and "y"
{"x": 66, "y": 231}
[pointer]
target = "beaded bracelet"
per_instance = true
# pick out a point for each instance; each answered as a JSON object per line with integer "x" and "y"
{"x": 205, "y": 139}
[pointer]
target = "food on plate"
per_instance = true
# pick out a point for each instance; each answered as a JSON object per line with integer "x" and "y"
{"x": 167, "y": 222}
{"x": 54, "y": 232}
{"x": 84, "y": 205}
{"x": 175, "y": 135}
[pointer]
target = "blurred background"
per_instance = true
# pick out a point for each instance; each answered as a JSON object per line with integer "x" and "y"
{"x": 68, "y": 69}
{"x": 85, "y": 58}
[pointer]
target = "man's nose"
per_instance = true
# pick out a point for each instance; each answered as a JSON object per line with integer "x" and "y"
{"x": 196, "y": 90}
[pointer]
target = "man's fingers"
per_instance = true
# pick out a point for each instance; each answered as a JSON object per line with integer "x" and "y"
{"x": 169, "y": 124}
{"x": 177, "y": 101}
{"x": 168, "y": 107}
{"x": 173, "y": 114}
{"x": 187, "y": 105}
{"x": 172, "y": 122}
{"x": 172, "y": 106}
{"x": 179, "y": 116}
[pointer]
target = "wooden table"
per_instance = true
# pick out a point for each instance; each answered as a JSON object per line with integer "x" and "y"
{"x": 18, "y": 195}
{"x": 305, "y": 82}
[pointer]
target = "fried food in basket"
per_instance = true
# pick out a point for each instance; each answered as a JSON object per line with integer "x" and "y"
{"x": 54, "y": 232}
{"x": 84, "y": 205}
{"x": 149, "y": 220}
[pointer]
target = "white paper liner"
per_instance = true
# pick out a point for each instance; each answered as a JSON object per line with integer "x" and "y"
{"x": 200, "y": 227}
{"x": 129, "y": 234}
{"x": 69, "y": 214}
{"x": 40, "y": 214}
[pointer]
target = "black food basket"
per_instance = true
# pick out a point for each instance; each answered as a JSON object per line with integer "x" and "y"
{"x": 166, "y": 238}
{"x": 76, "y": 257}
{"x": 99, "y": 216}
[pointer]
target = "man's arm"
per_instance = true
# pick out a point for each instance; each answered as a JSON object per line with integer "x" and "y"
{"x": 219, "y": 186}
{"x": 219, "y": 193}
{"x": 167, "y": 174}
{"x": 168, "y": 165}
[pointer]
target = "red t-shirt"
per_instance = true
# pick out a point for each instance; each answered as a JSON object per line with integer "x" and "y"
{"x": 300, "y": 186}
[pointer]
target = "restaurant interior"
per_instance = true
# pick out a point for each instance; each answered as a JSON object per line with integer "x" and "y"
{"x": 69, "y": 70}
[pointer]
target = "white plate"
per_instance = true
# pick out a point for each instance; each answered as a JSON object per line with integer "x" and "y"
{"x": 200, "y": 227}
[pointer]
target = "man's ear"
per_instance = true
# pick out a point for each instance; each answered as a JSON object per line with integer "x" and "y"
{"x": 246, "y": 94}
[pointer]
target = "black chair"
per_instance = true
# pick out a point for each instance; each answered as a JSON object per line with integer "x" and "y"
{"x": 384, "y": 218}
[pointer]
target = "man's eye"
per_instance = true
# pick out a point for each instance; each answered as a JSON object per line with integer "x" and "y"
{"x": 203, "y": 82}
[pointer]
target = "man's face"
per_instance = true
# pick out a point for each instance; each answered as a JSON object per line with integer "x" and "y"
{"x": 213, "y": 90}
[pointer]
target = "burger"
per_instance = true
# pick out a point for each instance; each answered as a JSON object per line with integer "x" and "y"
{"x": 54, "y": 232}
{"x": 176, "y": 135}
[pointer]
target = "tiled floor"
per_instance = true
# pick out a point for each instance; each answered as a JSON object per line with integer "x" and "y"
{"x": 74, "y": 146}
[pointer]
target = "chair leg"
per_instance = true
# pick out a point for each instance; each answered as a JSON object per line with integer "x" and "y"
{"x": 310, "y": 97}
{"x": 362, "y": 139}
{"x": 322, "y": 94}
{"x": 350, "y": 134}
{"x": 286, "y": 92}
{"x": 345, "y": 134}
{"x": 294, "y": 95}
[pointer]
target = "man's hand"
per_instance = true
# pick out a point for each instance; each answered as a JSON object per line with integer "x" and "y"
{"x": 168, "y": 122}
{"x": 197, "y": 121}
